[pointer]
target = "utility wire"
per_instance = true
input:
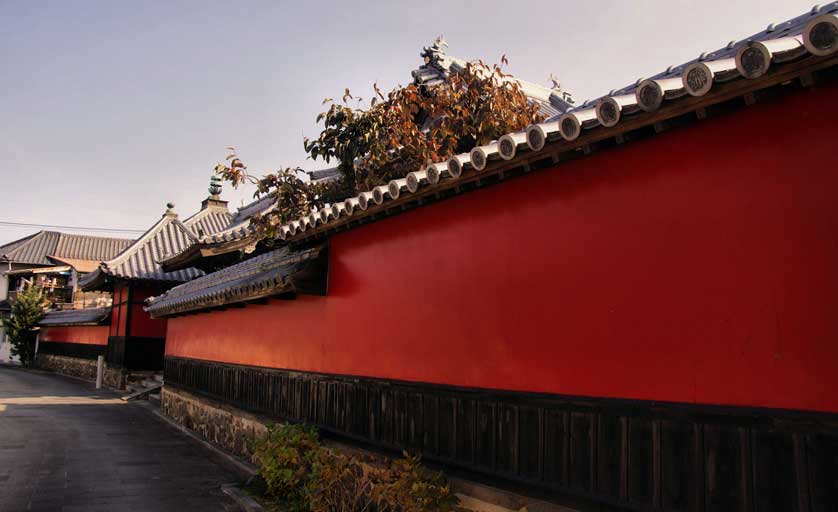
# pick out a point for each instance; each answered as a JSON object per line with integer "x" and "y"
{"x": 74, "y": 228}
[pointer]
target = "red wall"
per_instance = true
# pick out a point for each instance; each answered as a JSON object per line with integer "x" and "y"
{"x": 142, "y": 325}
{"x": 700, "y": 265}
{"x": 131, "y": 296}
{"x": 86, "y": 334}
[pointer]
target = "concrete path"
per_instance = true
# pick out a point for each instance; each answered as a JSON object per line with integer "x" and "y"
{"x": 66, "y": 447}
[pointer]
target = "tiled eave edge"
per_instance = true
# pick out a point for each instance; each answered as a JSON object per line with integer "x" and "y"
{"x": 196, "y": 251}
{"x": 238, "y": 299}
{"x": 721, "y": 93}
{"x": 76, "y": 317}
{"x": 309, "y": 276}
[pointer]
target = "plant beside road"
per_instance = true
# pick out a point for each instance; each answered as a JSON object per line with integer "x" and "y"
{"x": 27, "y": 311}
{"x": 299, "y": 474}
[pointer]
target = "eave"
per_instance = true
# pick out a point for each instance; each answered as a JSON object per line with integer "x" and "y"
{"x": 200, "y": 255}
{"x": 279, "y": 273}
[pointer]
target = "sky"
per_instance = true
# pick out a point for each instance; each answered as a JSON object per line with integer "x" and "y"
{"x": 111, "y": 109}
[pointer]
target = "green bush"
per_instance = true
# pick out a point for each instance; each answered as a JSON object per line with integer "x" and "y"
{"x": 304, "y": 476}
{"x": 27, "y": 311}
{"x": 407, "y": 486}
{"x": 338, "y": 482}
{"x": 285, "y": 456}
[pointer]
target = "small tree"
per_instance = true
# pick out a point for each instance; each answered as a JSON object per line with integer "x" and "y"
{"x": 27, "y": 311}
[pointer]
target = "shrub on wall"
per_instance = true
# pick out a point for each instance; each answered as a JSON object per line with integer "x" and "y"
{"x": 400, "y": 132}
{"x": 304, "y": 476}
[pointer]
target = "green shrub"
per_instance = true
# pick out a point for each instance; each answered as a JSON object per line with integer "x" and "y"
{"x": 407, "y": 486}
{"x": 27, "y": 311}
{"x": 285, "y": 456}
{"x": 304, "y": 476}
{"x": 338, "y": 482}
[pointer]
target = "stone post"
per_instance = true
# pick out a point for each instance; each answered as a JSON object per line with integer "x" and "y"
{"x": 100, "y": 371}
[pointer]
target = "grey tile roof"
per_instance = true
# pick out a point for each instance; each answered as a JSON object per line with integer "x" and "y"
{"x": 83, "y": 247}
{"x": 263, "y": 276}
{"x": 37, "y": 248}
{"x": 812, "y": 35}
{"x": 209, "y": 221}
{"x": 89, "y": 316}
{"x": 141, "y": 259}
{"x": 238, "y": 227}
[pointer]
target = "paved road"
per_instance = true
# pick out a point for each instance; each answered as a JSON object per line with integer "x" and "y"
{"x": 66, "y": 447}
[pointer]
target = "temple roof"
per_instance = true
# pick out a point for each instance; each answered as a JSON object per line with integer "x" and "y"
{"x": 140, "y": 259}
{"x": 37, "y": 249}
{"x": 89, "y": 316}
{"x": 209, "y": 220}
{"x": 270, "y": 274}
{"x": 238, "y": 229}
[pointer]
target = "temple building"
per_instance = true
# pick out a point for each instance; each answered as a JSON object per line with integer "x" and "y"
{"x": 630, "y": 304}
{"x": 130, "y": 339}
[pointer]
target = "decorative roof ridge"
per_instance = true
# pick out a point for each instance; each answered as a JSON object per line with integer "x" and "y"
{"x": 789, "y": 28}
{"x": 139, "y": 242}
{"x": 439, "y": 65}
{"x": 811, "y": 35}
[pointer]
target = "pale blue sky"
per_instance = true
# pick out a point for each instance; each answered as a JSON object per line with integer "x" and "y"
{"x": 112, "y": 108}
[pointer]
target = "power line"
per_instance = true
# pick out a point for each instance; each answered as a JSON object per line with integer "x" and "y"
{"x": 73, "y": 228}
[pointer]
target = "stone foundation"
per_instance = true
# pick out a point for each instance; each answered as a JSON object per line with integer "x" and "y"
{"x": 81, "y": 368}
{"x": 220, "y": 424}
{"x": 233, "y": 429}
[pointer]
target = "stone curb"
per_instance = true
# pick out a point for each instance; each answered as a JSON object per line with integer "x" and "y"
{"x": 246, "y": 503}
{"x": 241, "y": 468}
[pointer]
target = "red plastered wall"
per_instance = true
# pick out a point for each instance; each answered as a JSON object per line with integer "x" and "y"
{"x": 699, "y": 265}
{"x": 85, "y": 334}
{"x": 119, "y": 310}
{"x": 142, "y": 325}
{"x": 138, "y": 323}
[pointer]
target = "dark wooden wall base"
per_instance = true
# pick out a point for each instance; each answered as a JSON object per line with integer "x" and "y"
{"x": 80, "y": 350}
{"x": 136, "y": 353}
{"x": 638, "y": 455}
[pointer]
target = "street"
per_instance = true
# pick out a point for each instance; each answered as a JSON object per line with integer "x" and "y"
{"x": 66, "y": 447}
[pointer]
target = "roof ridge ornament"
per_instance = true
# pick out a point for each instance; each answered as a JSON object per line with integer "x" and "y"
{"x": 215, "y": 186}
{"x": 434, "y": 54}
{"x": 170, "y": 210}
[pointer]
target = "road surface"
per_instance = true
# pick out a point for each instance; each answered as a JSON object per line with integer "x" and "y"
{"x": 66, "y": 447}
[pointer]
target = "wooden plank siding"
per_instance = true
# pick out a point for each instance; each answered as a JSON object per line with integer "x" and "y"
{"x": 634, "y": 454}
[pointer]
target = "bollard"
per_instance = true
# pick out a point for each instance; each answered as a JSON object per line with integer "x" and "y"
{"x": 100, "y": 371}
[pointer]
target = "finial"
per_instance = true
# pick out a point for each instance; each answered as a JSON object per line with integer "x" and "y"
{"x": 170, "y": 209}
{"x": 215, "y": 185}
